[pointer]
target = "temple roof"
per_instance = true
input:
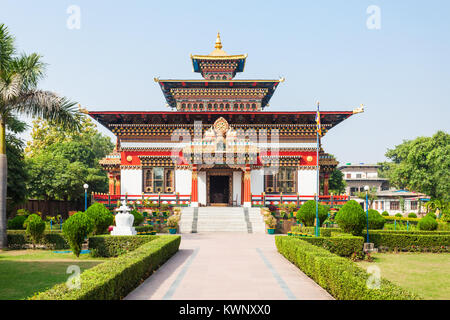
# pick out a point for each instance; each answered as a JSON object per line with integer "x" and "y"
{"x": 219, "y": 55}
{"x": 111, "y": 119}
{"x": 167, "y": 86}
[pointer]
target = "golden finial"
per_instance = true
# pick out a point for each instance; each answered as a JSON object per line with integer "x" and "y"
{"x": 80, "y": 109}
{"x": 359, "y": 110}
{"x": 218, "y": 42}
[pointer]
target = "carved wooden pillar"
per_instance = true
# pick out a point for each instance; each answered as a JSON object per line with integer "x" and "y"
{"x": 247, "y": 187}
{"x": 194, "y": 192}
{"x": 111, "y": 183}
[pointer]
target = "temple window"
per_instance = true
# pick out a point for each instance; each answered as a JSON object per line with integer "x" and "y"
{"x": 284, "y": 181}
{"x": 413, "y": 205}
{"x": 159, "y": 179}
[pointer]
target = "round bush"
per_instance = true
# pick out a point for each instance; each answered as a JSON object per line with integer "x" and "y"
{"x": 376, "y": 220}
{"x": 307, "y": 213}
{"x": 399, "y": 215}
{"x": 35, "y": 228}
{"x": 351, "y": 218}
{"x": 427, "y": 223}
{"x": 16, "y": 223}
{"x": 138, "y": 217}
{"x": 412, "y": 215}
{"x": 75, "y": 229}
{"x": 431, "y": 215}
{"x": 101, "y": 217}
{"x": 385, "y": 214}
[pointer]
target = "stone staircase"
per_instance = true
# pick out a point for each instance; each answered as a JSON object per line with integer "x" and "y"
{"x": 221, "y": 219}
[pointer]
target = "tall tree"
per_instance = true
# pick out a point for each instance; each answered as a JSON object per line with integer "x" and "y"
{"x": 422, "y": 165}
{"x": 71, "y": 159}
{"x": 17, "y": 174}
{"x": 337, "y": 183}
{"x": 19, "y": 77}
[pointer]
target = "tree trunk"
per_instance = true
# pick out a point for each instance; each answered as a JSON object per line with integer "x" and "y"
{"x": 3, "y": 186}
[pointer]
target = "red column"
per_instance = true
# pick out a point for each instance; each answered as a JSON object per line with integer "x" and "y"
{"x": 194, "y": 192}
{"x": 325, "y": 184}
{"x": 247, "y": 187}
{"x": 111, "y": 183}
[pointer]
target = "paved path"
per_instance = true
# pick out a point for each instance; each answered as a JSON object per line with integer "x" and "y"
{"x": 226, "y": 266}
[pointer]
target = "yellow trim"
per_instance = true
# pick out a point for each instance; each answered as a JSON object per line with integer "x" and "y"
{"x": 204, "y": 80}
{"x": 209, "y": 57}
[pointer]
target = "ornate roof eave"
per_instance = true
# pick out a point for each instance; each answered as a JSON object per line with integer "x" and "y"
{"x": 208, "y": 57}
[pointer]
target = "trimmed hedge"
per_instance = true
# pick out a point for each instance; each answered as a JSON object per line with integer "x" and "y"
{"x": 419, "y": 232}
{"x": 392, "y": 218}
{"x": 342, "y": 246}
{"x": 113, "y": 246}
{"x": 18, "y": 239}
{"x": 409, "y": 241}
{"x": 324, "y": 232}
{"x": 115, "y": 278}
{"x": 341, "y": 277}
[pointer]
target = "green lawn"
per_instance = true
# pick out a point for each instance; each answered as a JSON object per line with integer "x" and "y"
{"x": 25, "y": 272}
{"x": 427, "y": 274}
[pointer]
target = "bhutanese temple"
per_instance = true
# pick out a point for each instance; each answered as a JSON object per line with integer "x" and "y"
{"x": 218, "y": 144}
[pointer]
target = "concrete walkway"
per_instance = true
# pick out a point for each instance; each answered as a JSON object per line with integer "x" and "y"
{"x": 226, "y": 266}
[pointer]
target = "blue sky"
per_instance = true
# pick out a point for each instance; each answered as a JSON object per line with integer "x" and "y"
{"x": 324, "y": 49}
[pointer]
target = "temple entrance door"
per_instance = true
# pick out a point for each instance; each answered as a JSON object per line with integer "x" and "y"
{"x": 219, "y": 190}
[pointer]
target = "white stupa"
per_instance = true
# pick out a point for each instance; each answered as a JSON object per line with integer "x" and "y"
{"x": 124, "y": 222}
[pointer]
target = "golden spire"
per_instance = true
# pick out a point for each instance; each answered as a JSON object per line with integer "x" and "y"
{"x": 218, "y": 42}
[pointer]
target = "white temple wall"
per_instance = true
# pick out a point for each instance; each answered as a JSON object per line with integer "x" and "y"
{"x": 131, "y": 181}
{"x": 183, "y": 181}
{"x": 201, "y": 183}
{"x": 307, "y": 182}
{"x": 237, "y": 184}
{"x": 257, "y": 181}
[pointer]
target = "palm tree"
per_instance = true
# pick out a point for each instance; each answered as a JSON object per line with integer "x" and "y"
{"x": 19, "y": 76}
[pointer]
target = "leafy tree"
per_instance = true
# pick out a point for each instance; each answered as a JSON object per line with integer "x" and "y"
{"x": 422, "y": 165}
{"x": 336, "y": 183}
{"x": 72, "y": 158}
{"x": 17, "y": 174}
{"x": 19, "y": 77}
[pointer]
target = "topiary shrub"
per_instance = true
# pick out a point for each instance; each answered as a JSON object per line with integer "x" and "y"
{"x": 399, "y": 215}
{"x": 431, "y": 215}
{"x": 138, "y": 217}
{"x": 376, "y": 220}
{"x": 427, "y": 223}
{"x": 101, "y": 217}
{"x": 35, "y": 228}
{"x": 16, "y": 223}
{"x": 351, "y": 218}
{"x": 76, "y": 229}
{"x": 385, "y": 214}
{"x": 307, "y": 213}
{"x": 412, "y": 215}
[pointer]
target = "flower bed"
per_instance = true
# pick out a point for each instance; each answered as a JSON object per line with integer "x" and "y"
{"x": 342, "y": 278}
{"x": 115, "y": 278}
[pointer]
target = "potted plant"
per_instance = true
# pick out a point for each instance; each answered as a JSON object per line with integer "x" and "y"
{"x": 172, "y": 223}
{"x": 271, "y": 223}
